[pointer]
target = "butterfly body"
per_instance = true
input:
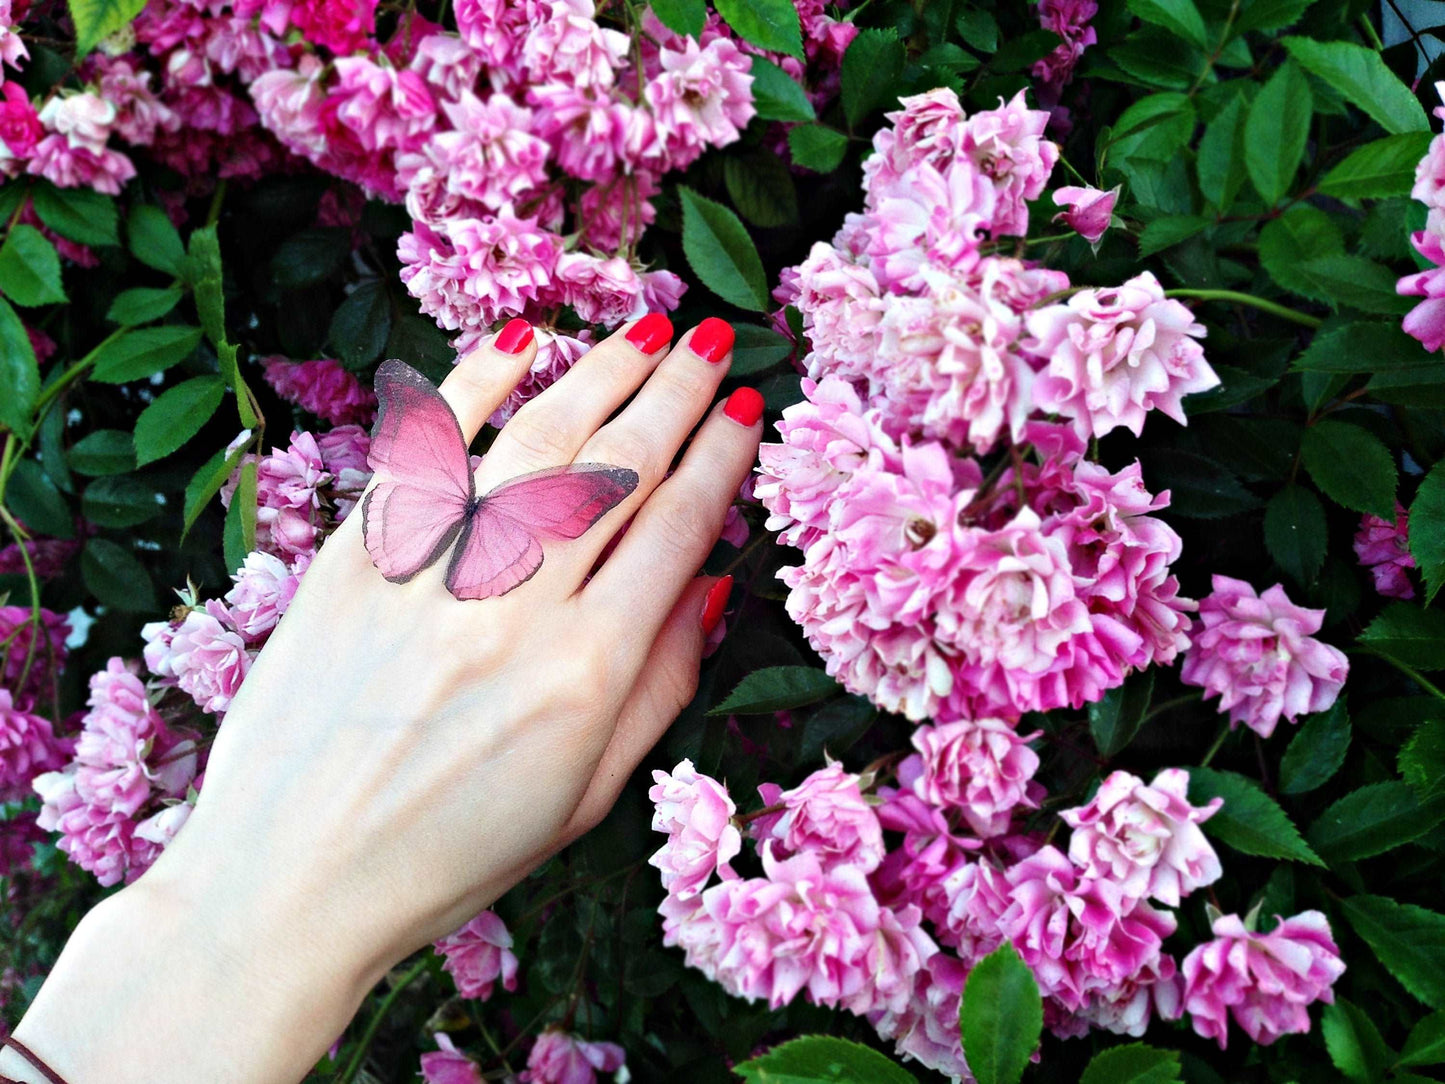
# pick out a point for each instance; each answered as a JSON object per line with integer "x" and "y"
{"x": 428, "y": 501}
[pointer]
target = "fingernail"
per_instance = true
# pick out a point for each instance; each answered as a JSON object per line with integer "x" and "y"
{"x": 744, "y": 406}
{"x": 515, "y": 337}
{"x": 715, "y": 603}
{"x": 651, "y": 333}
{"x": 712, "y": 339}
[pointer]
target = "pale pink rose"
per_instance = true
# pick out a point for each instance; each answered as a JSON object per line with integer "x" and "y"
{"x": 12, "y": 47}
{"x": 140, "y": 113}
{"x": 696, "y": 813}
{"x": 1115, "y": 354}
{"x": 449, "y": 65}
{"x": 1383, "y": 547}
{"x": 825, "y": 815}
{"x": 69, "y": 165}
{"x": 559, "y": 1058}
{"x": 925, "y": 871}
{"x": 1087, "y": 211}
{"x": 1128, "y": 1007}
{"x": 800, "y": 927}
{"x": 85, "y": 119}
{"x": 323, "y": 387}
{"x": 701, "y": 98}
{"x": 290, "y": 105}
{"x": 585, "y": 127}
{"x": 602, "y": 291}
{"x": 1265, "y": 981}
{"x": 570, "y": 45}
{"x": 208, "y": 657}
{"x": 263, "y": 589}
{"x": 28, "y": 746}
{"x": 1007, "y": 146}
{"x": 1429, "y": 186}
{"x": 1256, "y": 653}
{"x": 981, "y": 767}
{"x": 98, "y": 840}
{"x": 1145, "y": 839}
{"x": 479, "y": 954}
{"x": 556, "y": 353}
{"x": 448, "y": 1065}
{"x": 486, "y": 160}
{"x": 1426, "y": 321}
{"x": 926, "y": 1029}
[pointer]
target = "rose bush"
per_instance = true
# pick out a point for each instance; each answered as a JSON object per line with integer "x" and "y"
{"x": 1078, "y": 701}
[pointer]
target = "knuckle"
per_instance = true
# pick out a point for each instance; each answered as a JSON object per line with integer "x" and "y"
{"x": 683, "y": 529}
{"x": 538, "y": 438}
{"x": 630, "y": 446}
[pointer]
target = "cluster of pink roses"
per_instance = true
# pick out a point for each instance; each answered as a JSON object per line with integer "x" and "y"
{"x": 925, "y": 586}
{"x": 32, "y": 653}
{"x": 882, "y": 905}
{"x": 1426, "y": 321}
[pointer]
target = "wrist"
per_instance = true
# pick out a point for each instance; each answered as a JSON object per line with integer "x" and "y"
{"x": 172, "y": 981}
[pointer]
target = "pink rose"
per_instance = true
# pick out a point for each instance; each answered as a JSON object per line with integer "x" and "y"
{"x": 478, "y": 954}
{"x": 696, "y": 813}
{"x": 448, "y": 1065}
{"x": 982, "y": 767}
{"x": 559, "y": 1058}
{"x": 825, "y": 815}
{"x": 20, "y": 128}
{"x": 1087, "y": 211}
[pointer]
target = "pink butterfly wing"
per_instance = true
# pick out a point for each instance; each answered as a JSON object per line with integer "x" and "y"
{"x": 409, "y": 520}
{"x": 500, "y": 548}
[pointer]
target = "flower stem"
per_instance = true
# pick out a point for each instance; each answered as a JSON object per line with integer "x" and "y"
{"x": 1224, "y": 732}
{"x": 1271, "y": 307}
{"x": 1409, "y": 671}
{"x": 353, "y": 1067}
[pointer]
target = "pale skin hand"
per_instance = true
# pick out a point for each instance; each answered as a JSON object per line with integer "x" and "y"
{"x": 397, "y": 759}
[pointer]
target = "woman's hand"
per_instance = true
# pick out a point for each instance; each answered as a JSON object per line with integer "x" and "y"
{"x": 396, "y": 758}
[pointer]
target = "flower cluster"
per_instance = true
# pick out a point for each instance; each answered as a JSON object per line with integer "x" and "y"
{"x": 924, "y": 585}
{"x": 1426, "y": 321}
{"x": 557, "y": 1057}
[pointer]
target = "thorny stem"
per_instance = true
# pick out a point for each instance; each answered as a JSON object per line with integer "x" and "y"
{"x": 374, "y": 1024}
{"x": 1271, "y": 307}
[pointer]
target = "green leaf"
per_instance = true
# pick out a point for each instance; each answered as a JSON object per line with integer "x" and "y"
{"x": 80, "y": 214}
{"x": 1155, "y": 128}
{"x": 1383, "y": 168}
{"x": 721, "y": 253}
{"x": 1370, "y": 821}
{"x": 871, "y": 72}
{"x": 1179, "y": 17}
{"x": 143, "y": 352}
{"x": 817, "y": 148}
{"x": 30, "y": 268}
{"x": 1114, "y": 720}
{"x": 114, "y": 576}
{"x": 1200, "y": 487}
{"x": 1276, "y": 131}
{"x": 309, "y": 257}
{"x": 1294, "y": 533}
{"x": 424, "y": 345}
{"x": 105, "y": 451}
{"x": 119, "y": 500}
{"x": 1361, "y": 347}
{"x": 1250, "y": 820}
{"x": 1426, "y": 1042}
{"x": 1422, "y": 761}
{"x": 834, "y": 727}
{"x": 769, "y": 24}
{"x": 205, "y": 262}
{"x": 1354, "y": 281}
{"x": 96, "y": 20}
{"x": 1169, "y": 231}
{"x": 761, "y": 188}
{"x": 238, "y": 536}
{"x": 1351, "y": 466}
{"x": 143, "y": 304}
{"x": 19, "y": 372}
{"x": 1360, "y": 75}
{"x": 1427, "y": 530}
{"x": 1001, "y": 1017}
{"x": 1158, "y": 59}
{"x": 1220, "y": 161}
{"x": 1316, "y": 752}
{"x": 1409, "y": 634}
{"x": 756, "y": 349}
{"x": 1354, "y": 1043}
{"x": 34, "y": 498}
{"x": 682, "y": 16}
{"x": 1269, "y": 14}
{"x": 979, "y": 30}
{"x": 361, "y": 324}
{"x": 154, "y": 241}
{"x": 1133, "y": 1063}
{"x": 1301, "y": 233}
{"x": 1409, "y": 941}
{"x": 776, "y": 688}
{"x": 206, "y": 483}
{"x": 176, "y": 416}
{"x": 777, "y": 95}
{"x": 823, "y": 1059}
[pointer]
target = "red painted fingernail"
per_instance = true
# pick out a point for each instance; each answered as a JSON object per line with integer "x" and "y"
{"x": 712, "y": 339}
{"x": 515, "y": 337}
{"x": 716, "y": 601}
{"x": 651, "y": 333}
{"x": 744, "y": 406}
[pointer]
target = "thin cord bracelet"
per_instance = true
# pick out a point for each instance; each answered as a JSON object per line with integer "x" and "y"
{"x": 34, "y": 1059}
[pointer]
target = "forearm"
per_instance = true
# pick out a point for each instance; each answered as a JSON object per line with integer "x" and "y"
{"x": 158, "y": 985}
